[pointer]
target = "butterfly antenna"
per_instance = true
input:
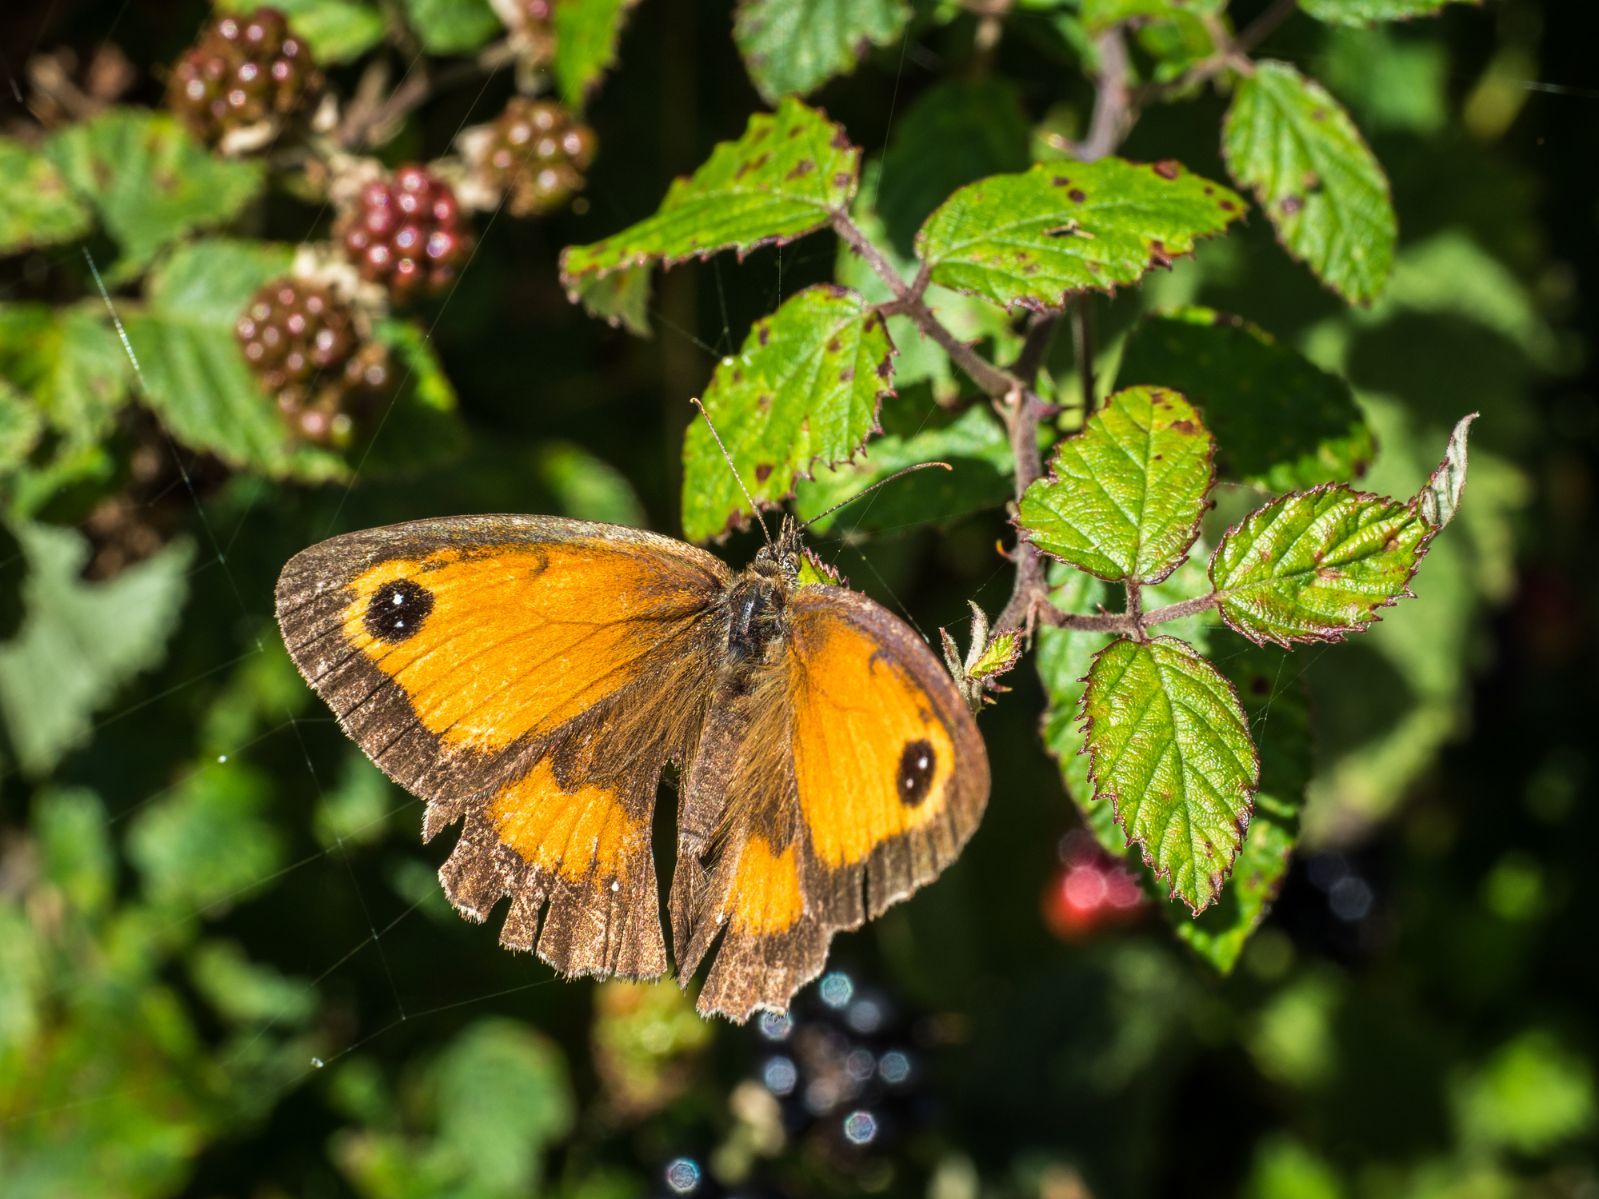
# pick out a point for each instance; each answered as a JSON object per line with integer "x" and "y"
{"x": 737, "y": 478}
{"x": 899, "y": 474}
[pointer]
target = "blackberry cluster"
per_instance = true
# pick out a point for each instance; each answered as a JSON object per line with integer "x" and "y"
{"x": 407, "y": 234}
{"x": 307, "y": 352}
{"x": 1092, "y": 892}
{"x": 844, "y": 1066}
{"x": 245, "y": 72}
{"x": 535, "y": 154}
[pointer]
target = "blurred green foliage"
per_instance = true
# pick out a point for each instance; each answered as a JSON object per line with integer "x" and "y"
{"x": 225, "y": 965}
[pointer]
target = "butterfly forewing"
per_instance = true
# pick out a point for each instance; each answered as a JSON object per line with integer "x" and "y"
{"x": 511, "y": 671}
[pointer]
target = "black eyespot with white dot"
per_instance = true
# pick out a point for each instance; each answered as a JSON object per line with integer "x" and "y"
{"x": 397, "y": 610}
{"x": 917, "y": 762}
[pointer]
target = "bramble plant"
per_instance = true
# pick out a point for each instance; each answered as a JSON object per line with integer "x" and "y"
{"x": 1205, "y": 400}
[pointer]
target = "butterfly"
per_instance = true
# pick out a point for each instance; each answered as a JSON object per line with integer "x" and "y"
{"x": 533, "y": 677}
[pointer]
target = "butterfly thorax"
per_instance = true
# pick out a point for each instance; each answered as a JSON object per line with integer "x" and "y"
{"x": 757, "y": 604}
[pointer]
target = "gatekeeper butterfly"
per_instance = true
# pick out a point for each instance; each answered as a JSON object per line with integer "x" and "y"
{"x": 532, "y": 677}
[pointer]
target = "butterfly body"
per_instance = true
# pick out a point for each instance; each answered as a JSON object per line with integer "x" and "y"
{"x": 532, "y": 678}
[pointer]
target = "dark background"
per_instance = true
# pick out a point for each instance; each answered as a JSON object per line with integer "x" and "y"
{"x": 1438, "y": 1042}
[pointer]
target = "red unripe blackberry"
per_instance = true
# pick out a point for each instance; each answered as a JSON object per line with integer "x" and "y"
{"x": 305, "y": 347}
{"x": 535, "y": 154}
{"x": 407, "y": 233}
{"x": 246, "y": 72}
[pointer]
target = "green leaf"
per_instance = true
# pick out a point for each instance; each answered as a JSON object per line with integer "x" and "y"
{"x": 1100, "y": 15}
{"x": 1123, "y": 497}
{"x": 973, "y": 443}
{"x": 1317, "y": 565}
{"x": 204, "y": 844}
{"x": 1439, "y": 498}
{"x": 620, "y": 299}
{"x": 789, "y": 173}
{"x": 356, "y": 809}
{"x": 954, "y": 134}
{"x": 249, "y": 992}
{"x": 194, "y": 374}
{"x": 37, "y": 208}
{"x": 792, "y": 47}
{"x": 69, "y": 363}
{"x": 336, "y": 30}
{"x": 804, "y": 389}
{"x": 417, "y": 429}
{"x": 452, "y": 26}
{"x": 20, "y": 426}
{"x": 1280, "y": 421}
{"x": 503, "y": 1097}
{"x": 1365, "y": 12}
{"x": 1169, "y": 747}
{"x": 1064, "y": 659}
{"x": 1323, "y": 190}
{"x": 1035, "y": 239}
{"x": 150, "y": 182}
{"x": 586, "y": 33}
{"x": 75, "y": 851}
{"x": 1531, "y": 1094}
{"x": 587, "y": 487}
{"x": 87, "y": 639}
{"x": 1278, "y": 711}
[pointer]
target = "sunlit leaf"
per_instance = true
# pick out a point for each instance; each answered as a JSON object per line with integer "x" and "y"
{"x": 1365, "y": 12}
{"x": 804, "y": 389}
{"x": 1317, "y": 565}
{"x": 1169, "y": 748}
{"x": 20, "y": 426}
{"x": 786, "y": 176}
{"x": 1280, "y": 421}
{"x": 1439, "y": 498}
{"x": 1323, "y": 190}
{"x": 620, "y": 299}
{"x": 336, "y": 30}
{"x": 954, "y": 134}
{"x": 1100, "y": 15}
{"x": 1275, "y": 703}
{"x": 204, "y": 844}
{"x": 792, "y": 47}
{"x": 1035, "y": 239}
{"x": 79, "y": 643}
{"x": 586, "y": 33}
{"x": 451, "y": 26}
{"x": 1064, "y": 659}
{"x": 1123, "y": 497}
{"x": 149, "y": 181}
{"x": 69, "y": 363}
{"x": 37, "y": 208}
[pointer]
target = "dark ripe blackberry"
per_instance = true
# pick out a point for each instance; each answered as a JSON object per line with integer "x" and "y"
{"x": 407, "y": 234}
{"x": 536, "y": 155}
{"x": 304, "y": 346}
{"x": 247, "y": 72}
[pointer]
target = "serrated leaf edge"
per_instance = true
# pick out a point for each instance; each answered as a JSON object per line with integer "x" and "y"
{"x": 1324, "y": 636}
{"x": 1180, "y": 556}
{"x": 1261, "y": 202}
{"x": 1159, "y": 873}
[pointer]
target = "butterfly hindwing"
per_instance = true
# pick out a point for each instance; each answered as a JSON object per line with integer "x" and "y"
{"x": 529, "y": 676}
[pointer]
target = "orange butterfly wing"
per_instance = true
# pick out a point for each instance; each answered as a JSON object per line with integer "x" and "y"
{"x": 853, "y": 776}
{"x": 530, "y": 675}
